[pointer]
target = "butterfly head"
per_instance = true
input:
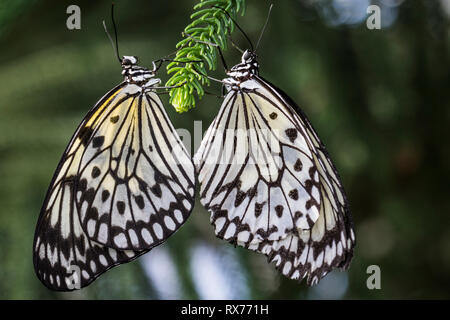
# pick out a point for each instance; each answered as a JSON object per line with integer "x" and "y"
{"x": 134, "y": 73}
{"x": 249, "y": 57}
{"x": 129, "y": 61}
{"x": 244, "y": 70}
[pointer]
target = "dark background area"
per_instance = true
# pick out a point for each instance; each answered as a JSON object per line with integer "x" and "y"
{"x": 379, "y": 100}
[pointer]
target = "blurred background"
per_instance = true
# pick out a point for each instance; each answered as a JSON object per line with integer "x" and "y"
{"x": 379, "y": 100}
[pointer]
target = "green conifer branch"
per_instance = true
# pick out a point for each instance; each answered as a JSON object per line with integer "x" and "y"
{"x": 209, "y": 24}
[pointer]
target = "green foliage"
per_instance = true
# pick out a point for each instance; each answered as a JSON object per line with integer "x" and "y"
{"x": 210, "y": 25}
{"x": 10, "y": 9}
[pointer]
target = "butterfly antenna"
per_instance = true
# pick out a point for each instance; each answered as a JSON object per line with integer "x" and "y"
{"x": 115, "y": 31}
{"x": 264, "y": 27}
{"x": 237, "y": 25}
{"x": 116, "y": 45}
{"x": 235, "y": 45}
{"x": 173, "y": 53}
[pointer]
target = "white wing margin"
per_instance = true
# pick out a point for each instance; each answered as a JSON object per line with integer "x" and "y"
{"x": 270, "y": 186}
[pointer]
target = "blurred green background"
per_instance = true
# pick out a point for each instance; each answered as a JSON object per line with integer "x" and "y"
{"x": 379, "y": 100}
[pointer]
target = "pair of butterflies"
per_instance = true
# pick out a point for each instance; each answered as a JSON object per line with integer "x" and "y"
{"x": 126, "y": 183}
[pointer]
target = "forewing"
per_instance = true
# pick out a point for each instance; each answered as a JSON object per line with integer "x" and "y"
{"x": 270, "y": 186}
{"x": 64, "y": 257}
{"x": 329, "y": 244}
{"x": 125, "y": 182}
{"x": 257, "y": 176}
{"x": 136, "y": 178}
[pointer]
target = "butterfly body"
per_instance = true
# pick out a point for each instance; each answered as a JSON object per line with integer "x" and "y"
{"x": 124, "y": 184}
{"x": 268, "y": 181}
{"x": 240, "y": 73}
{"x": 138, "y": 75}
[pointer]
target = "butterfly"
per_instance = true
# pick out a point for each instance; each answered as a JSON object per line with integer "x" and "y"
{"x": 124, "y": 184}
{"x": 268, "y": 181}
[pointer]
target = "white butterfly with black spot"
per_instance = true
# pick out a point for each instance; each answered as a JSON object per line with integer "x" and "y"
{"x": 268, "y": 181}
{"x": 125, "y": 183}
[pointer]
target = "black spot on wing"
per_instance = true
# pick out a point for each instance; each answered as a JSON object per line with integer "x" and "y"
{"x": 273, "y": 116}
{"x": 92, "y": 213}
{"x": 312, "y": 174}
{"x": 95, "y": 172}
{"x": 298, "y": 166}
{"x": 309, "y": 221}
{"x": 88, "y": 196}
{"x": 139, "y": 201}
{"x": 105, "y": 195}
{"x": 240, "y": 196}
{"x": 82, "y": 185}
{"x": 291, "y": 134}
{"x": 84, "y": 135}
{"x": 114, "y": 119}
{"x": 159, "y": 177}
{"x": 293, "y": 194}
{"x": 309, "y": 184}
{"x": 121, "y": 206}
{"x": 258, "y": 209}
{"x": 156, "y": 190}
{"x": 97, "y": 142}
{"x": 298, "y": 215}
{"x": 279, "y": 210}
{"x": 265, "y": 234}
{"x": 143, "y": 185}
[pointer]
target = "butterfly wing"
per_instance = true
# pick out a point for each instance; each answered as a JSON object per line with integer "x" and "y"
{"x": 97, "y": 172}
{"x": 329, "y": 244}
{"x": 64, "y": 257}
{"x": 136, "y": 178}
{"x": 270, "y": 185}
